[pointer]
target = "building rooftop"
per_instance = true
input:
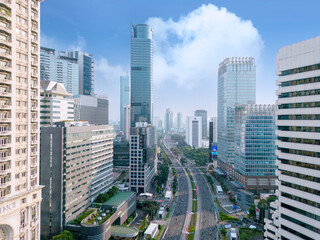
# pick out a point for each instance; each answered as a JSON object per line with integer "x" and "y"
{"x": 151, "y": 229}
{"x": 123, "y": 231}
{"x": 118, "y": 199}
{"x": 54, "y": 88}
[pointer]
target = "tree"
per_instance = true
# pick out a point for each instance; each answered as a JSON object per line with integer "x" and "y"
{"x": 252, "y": 210}
{"x": 65, "y": 235}
{"x": 159, "y": 227}
{"x": 223, "y": 231}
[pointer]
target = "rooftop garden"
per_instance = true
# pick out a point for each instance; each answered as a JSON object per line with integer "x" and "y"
{"x": 99, "y": 217}
{"x": 82, "y": 216}
{"x": 103, "y": 197}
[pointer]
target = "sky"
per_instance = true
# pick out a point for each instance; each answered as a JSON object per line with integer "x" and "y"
{"x": 191, "y": 38}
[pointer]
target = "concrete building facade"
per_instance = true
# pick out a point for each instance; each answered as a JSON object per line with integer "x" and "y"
{"x": 297, "y": 210}
{"x": 194, "y": 131}
{"x": 20, "y": 193}
{"x": 94, "y": 109}
{"x": 143, "y": 157}
{"x": 76, "y": 166}
{"x": 56, "y": 103}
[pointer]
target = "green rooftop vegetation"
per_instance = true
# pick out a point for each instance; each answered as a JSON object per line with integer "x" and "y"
{"x": 103, "y": 197}
{"x": 99, "y": 217}
{"x": 118, "y": 199}
{"x": 82, "y": 216}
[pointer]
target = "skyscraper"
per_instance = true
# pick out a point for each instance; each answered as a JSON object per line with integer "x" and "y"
{"x": 124, "y": 98}
{"x": 194, "y": 131}
{"x": 255, "y": 147}
{"x": 59, "y": 68}
{"x": 169, "y": 120}
{"x": 86, "y": 71}
{"x": 20, "y": 193}
{"x": 179, "y": 120}
{"x": 141, "y": 74}
{"x": 297, "y": 214}
{"x": 204, "y": 117}
{"x": 236, "y": 86}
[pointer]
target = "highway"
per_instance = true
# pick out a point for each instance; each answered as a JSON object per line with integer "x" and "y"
{"x": 175, "y": 227}
{"x": 208, "y": 214}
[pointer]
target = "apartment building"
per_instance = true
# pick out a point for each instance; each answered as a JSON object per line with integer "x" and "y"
{"x": 20, "y": 193}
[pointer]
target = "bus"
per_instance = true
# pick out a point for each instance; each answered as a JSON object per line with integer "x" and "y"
{"x": 219, "y": 189}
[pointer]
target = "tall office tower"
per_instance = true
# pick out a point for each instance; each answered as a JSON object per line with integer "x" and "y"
{"x": 204, "y": 117}
{"x": 94, "y": 109}
{"x": 86, "y": 71}
{"x": 236, "y": 86}
{"x": 169, "y": 120}
{"x": 255, "y": 147}
{"x": 179, "y": 120}
{"x": 194, "y": 131}
{"x": 20, "y": 193}
{"x": 297, "y": 214}
{"x": 124, "y": 98}
{"x": 76, "y": 166}
{"x": 126, "y": 121}
{"x": 143, "y": 157}
{"x": 141, "y": 74}
{"x": 56, "y": 103}
{"x": 59, "y": 68}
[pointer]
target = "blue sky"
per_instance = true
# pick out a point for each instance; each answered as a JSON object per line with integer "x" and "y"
{"x": 191, "y": 37}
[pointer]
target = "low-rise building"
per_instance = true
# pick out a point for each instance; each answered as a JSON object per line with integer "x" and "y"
{"x": 99, "y": 221}
{"x": 152, "y": 231}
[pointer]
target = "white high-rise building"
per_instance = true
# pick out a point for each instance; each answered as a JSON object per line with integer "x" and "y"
{"x": 20, "y": 193}
{"x": 56, "y": 103}
{"x": 297, "y": 210}
{"x": 194, "y": 131}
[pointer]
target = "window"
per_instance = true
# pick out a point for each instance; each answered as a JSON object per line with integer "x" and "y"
{"x": 22, "y": 218}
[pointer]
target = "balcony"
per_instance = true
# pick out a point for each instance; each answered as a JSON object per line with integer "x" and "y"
{"x": 5, "y": 105}
{"x": 5, "y": 171}
{"x": 33, "y": 176}
{"x": 6, "y": 93}
{"x": 5, "y": 132}
{"x": 34, "y": 108}
{"x": 5, "y": 184}
{"x": 6, "y": 54}
{"x": 33, "y": 153}
{"x": 34, "y": 85}
{"x": 34, "y": 130}
{"x": 33, "y": 142}
{"x": 6, "y": 42}
{"x": 6, "y": 80}
{"x": 7, "y": 14}
{"x": 33, "y": 164}
{"x": 5, "y": 145}
{"x": 34, "y": 97}
{"x": 5, "y": 118}
{"x": 5, "y": 158}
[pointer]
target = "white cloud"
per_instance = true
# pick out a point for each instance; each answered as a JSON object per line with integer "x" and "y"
{"x": 51, "y": 42}
{"x": 188, "y": 51}
{"x": 107, "y": 72}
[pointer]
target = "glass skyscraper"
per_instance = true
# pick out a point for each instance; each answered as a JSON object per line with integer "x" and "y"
{"x": 141, "y": 74}
{"x": 204, "y": 117}
{"x": 124, "y": 98}
{"x": 59, "y": 68}
{"x": 236, "y": 86}
{"x": 86, "y": 71}
{"x": 255, "y": 148}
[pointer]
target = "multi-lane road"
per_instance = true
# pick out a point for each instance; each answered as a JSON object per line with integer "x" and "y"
{"x": 207, "y": 224}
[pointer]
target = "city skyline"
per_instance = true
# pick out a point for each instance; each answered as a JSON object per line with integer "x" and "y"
{"x": 112, "y": 59}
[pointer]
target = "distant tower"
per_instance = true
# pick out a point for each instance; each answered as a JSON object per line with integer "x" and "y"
{"x": 141, "y": 74}
{"x": 194, "y": 131}
{"x": 179, "y": 120}
{"x": 169, "y": 119}
{"x": 204, "y": 117}
{"x": 124, "y": 98}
